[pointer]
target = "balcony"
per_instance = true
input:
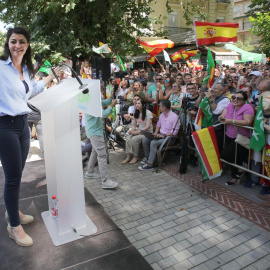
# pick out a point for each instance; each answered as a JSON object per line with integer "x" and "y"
{"x": 224, "y": 1}
{"x": 175, "y": 30}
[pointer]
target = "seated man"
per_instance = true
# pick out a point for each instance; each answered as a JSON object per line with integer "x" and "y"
{"x": 167, "y": 125}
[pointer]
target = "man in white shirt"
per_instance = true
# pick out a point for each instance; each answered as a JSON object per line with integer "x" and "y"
{"x": 114, "y": 67}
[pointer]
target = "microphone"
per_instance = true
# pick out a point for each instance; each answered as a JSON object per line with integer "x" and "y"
{"x": 83, "y": 87}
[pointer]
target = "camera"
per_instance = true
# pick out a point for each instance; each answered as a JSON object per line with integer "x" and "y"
{"x": 38, "y": 58}
{"x": 121, "y": 99}
{"x": 186, "y": 100}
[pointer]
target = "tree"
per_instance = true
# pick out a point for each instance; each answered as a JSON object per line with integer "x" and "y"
{"x": 260, "y": 17}
{"x": 73, "y": 26}
{"x": 245, "y": 45}
{"x": 192, "y": 7}
{"x": 2, "y": 41}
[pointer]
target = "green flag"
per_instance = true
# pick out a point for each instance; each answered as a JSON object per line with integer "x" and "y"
{"x": 46, "y": 67}
{"x": 257, "y": 141}
{"x": 210, "y": 69}
{"x": 204, "y": 117}
{"x": 120, "y": 63}
{"x": 197, "y": 56}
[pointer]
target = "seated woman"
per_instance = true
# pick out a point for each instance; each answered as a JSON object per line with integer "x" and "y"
{"x": 175, "y": 98}
{"x": 242, "y": 114}
{"x": 135, "y": 89}
{"x": 142, "y": 118}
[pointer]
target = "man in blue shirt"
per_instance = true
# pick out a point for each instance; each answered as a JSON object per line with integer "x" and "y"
{"x": 94, "y": 131}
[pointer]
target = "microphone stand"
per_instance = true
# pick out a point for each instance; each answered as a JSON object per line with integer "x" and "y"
{"x": 83, "y": 87}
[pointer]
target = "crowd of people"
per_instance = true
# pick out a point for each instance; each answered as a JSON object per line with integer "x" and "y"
{"x": 149, "y": 94}
{"x": 145, "y": 95}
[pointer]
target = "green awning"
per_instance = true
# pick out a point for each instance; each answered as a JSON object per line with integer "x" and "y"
{"x": 245, "y": 56}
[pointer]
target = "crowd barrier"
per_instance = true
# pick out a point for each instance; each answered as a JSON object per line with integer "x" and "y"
{"x": 247, "y": 167}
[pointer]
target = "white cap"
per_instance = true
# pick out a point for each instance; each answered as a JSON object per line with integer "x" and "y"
{"x": 255, "y": 73}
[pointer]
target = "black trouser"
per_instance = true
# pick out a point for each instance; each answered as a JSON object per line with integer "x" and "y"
{"x": 220, "y": 137}
{"x": 14, "y": 148}
{"x": 228, "y": 154}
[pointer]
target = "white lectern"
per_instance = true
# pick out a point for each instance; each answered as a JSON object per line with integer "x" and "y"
{"x": 63, "y": 162}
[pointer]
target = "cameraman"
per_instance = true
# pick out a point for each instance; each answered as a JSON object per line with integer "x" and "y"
{"x": 123, "y": 88}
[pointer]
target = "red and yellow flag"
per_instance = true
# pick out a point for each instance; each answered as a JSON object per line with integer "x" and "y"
{"x": 209, "y": 33}
{"x": 183, "y": 54}
{"x": 156, "y": 46}
{"x": 151, "y": 60}
{"x": 206, "y": 144}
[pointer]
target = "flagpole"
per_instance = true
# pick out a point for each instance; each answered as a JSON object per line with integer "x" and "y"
{"x": 160, "y": 64}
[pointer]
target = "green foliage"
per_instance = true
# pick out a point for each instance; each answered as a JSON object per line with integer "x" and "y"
{"x": 245, "y": 45}
{"x": 73, "y": 26}
{"x": 260, "y": 17}
{"x": 191, "y": 8}
{"x": 2, "y": 41}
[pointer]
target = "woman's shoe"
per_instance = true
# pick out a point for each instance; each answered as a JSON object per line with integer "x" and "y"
{"x": 125, "y": 161}
{"x": 26, "y": 220}
{"x": 27, "y": 241}
{"x": 232, "y": 182}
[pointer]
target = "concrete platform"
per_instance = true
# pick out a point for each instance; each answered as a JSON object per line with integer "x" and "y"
{"x": 108, "y": 249}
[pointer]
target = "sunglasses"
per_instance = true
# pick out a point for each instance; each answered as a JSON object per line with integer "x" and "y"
{"x": 174, "y": 86}
{"x": 167, "y": 81}
{"x": 237, "y": 98}
{"x": 236, "y": 77}
{"x": 158, "y": 79}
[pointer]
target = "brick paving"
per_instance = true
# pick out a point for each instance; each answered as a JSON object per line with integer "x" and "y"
{"x": 176, "y": 225}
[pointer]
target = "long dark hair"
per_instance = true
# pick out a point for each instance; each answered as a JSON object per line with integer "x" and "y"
{"x": 27, "y": 56}
{"x": 244, "y": 94}
{"x": 137, "y": 112}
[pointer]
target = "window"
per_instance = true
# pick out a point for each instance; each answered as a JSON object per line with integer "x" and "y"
{"x": 236, "y": 11}
{"x": 197, "y": 18}
{"x": 221, "y": 19}
{"x": 246, "y": 8}
{"x": 246, "y": 24}
{"x": 172, "y": 20}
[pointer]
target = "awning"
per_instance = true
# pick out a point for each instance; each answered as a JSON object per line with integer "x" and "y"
{"x": 222, "y": 53}
{"x": 245, "y": 56}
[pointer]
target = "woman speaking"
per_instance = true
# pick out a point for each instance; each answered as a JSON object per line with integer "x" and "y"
{"x": 16, "y": 85}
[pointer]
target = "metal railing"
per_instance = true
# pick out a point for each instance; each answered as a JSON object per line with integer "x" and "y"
{"x": 246, "y": 169}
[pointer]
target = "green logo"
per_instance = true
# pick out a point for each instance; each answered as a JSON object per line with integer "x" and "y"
{"x": 83, "y": 98}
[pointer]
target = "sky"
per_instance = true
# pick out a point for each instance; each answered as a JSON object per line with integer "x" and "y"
{"x": 2, "y": 29}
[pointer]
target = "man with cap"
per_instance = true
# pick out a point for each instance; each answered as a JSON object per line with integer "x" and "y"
{"x": 256, "y": 77}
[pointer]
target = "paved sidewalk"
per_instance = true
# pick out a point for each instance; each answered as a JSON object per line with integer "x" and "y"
{"x": 177, "y": 227}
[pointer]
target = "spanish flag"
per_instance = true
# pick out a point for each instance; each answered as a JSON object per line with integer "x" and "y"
{"x": 156, "y": 46}
{"x": 206, "y": 144}
{"x": 209, "y": 33}
{"x": 151, "y": 60}
{"x": 178, "y": 55}
{"x": 183, "y": 54}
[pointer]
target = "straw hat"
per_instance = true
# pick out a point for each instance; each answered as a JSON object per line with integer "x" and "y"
{"x": 266, "y": 101}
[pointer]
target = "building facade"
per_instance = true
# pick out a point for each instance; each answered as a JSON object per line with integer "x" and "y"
{"x": 174, "y": 23}
{"x": 240, "y": 9}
